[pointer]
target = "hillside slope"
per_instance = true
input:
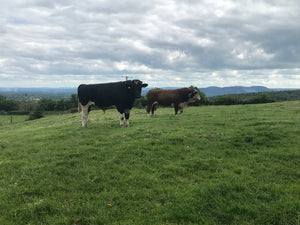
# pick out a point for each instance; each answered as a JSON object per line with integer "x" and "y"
{"x": 212, "y": 165}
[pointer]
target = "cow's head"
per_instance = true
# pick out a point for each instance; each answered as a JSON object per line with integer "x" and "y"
{"x": 194, "y": 95}
{"x": 135, "y": 87}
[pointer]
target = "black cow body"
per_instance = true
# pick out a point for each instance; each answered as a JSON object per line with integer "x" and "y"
{"x": 118, "y": 94}
{"x": 176, "y": 97}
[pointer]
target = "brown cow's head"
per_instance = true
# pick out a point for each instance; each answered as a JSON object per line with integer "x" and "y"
{"x": 194, "y": 95}
{"x": 135, "y": 86}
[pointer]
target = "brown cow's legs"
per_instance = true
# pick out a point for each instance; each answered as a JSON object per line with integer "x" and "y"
{"x": 148, "y": 109}
{"x": 181, "y": 106}
{"x": 154, "y": 104}
{"x": 176, "y": 107}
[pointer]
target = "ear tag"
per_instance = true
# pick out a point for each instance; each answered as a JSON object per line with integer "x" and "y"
{"x": 129, "y": 87}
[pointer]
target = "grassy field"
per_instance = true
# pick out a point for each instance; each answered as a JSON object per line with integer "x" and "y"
{"x": 212, "y": 165}
{"x": 6, "y": 119}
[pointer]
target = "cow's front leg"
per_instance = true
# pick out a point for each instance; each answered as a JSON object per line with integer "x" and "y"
{"x": 181, "y": 106}
{"x": 85, "y": 109}
{"x": 127, "y": 114}
{"x": 84, "y": 114}
{"x": 121, "y": 117}
{"x": 176, "y": 107}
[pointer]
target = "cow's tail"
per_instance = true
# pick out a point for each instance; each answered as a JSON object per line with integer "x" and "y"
{"x": 151, "y": 107}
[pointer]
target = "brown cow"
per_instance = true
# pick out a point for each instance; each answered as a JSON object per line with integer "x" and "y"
{"x": 176, "y": 97}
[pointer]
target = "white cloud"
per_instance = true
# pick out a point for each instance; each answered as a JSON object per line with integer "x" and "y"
{"x": 174, "y": 56}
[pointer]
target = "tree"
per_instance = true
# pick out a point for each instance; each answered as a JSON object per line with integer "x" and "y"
{"x": 47, "y": 104}
{"x": 261, "y": 98}
{"x": 73, "y": 102}
{"x": 140, "y": 102}
{"x": 36, "y": 114}
{"x": 226, "y": 100}
{"x": 61, "y": 105}
{"x": 8, "y": 104}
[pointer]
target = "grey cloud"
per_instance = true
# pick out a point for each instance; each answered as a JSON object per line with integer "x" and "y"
{"x": 180, "y": 40}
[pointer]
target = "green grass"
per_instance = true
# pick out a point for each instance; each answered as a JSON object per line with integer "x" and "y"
{"x": 212, "y": 165}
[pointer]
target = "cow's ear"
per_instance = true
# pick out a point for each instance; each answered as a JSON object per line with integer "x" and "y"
{"x": 144, "y": 85}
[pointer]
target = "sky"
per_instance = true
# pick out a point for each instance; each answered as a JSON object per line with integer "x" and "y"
{"x": 64, "y": 43}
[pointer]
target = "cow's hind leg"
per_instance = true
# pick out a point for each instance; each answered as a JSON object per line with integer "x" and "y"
{"x": 153, "y": 108}
{"x": 148, "y": 109}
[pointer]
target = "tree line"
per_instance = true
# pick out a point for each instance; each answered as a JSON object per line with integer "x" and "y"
{"x": 36, "y": 108}
{"x": 12, "y": 106}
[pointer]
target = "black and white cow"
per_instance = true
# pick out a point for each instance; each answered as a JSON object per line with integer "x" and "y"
{"x": 118, "y": 94}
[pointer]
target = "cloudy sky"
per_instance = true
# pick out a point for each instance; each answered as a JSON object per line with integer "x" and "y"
{"x": 63, "y": 43}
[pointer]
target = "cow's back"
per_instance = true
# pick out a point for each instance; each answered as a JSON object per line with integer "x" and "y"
{"x": 103, "y": 95}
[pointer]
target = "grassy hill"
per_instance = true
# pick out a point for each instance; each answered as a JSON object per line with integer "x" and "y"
{"x": 212, "y": 165}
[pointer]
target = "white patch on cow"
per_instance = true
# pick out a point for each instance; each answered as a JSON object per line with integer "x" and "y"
{"x": 181, "y": 106}
{"x": 85, "y": 113}
{"x": 195, "y": 97}
{"x": 121, "y": 117}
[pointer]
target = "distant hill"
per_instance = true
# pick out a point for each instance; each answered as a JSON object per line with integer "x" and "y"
{"x": 58, "y": 93}
{"x": 215, "y": 91}
{"x": 37, "y": 93}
